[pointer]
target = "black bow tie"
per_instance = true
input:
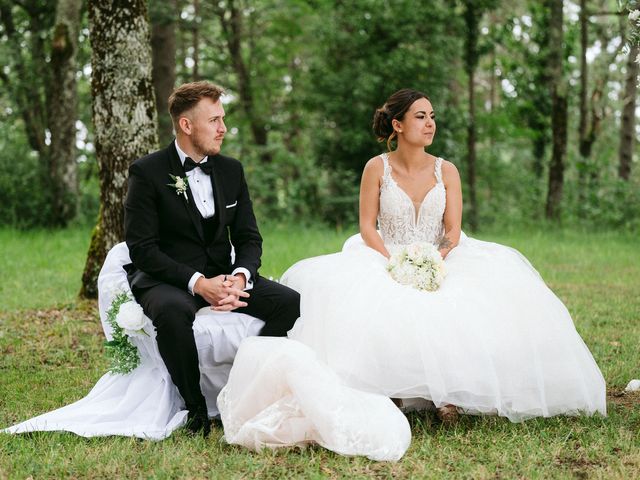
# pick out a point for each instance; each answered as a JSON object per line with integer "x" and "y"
{"x": 206, "y": 167}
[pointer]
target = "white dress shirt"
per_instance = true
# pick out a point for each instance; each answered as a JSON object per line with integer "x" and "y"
{"x": 202, "y": 192}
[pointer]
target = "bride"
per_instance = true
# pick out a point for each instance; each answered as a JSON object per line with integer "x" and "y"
{"x": 493, "y": 339}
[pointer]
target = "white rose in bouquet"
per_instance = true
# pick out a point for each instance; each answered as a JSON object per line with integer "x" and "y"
{"x": 131, "y": 318}
{"x": 415, "y": 253}
{"x": 419, "y": 265}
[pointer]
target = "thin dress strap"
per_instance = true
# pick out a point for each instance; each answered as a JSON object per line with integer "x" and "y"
{"x": 438, "y": 170}
{"x": 385, "y": 163}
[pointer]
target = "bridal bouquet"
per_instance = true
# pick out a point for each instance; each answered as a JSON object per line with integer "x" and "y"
{"x": 419, "y": 265}
{"x": 127, "y": 320}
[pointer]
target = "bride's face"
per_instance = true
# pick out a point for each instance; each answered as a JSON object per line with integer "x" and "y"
{"x": 418, "y": 127}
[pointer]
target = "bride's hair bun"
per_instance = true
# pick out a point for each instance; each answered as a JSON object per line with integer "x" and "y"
{"x": 382, "y": 123}
{"x": 394, "y": 108}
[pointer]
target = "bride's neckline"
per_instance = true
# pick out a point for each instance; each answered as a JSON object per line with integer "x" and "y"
{"x": 418, "y": 210}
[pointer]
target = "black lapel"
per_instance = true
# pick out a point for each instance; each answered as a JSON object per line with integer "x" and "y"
{"x": 177, "y": 169}
{"x": 218, "y": 194}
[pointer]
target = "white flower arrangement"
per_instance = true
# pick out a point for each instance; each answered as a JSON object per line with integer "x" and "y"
{"x": 419, "y": 265}
{"x": 180, "y": 184}
{"x": 127, "y": 320}
{"x": 131, "y": 318}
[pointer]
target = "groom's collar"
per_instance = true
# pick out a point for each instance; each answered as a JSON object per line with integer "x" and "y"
{"x": 182, "y": 156}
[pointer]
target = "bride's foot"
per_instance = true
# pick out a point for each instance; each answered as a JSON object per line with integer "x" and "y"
{"x": 448, "y": 414}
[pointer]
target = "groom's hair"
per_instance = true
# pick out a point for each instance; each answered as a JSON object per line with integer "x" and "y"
{"x": 187, "y": 96}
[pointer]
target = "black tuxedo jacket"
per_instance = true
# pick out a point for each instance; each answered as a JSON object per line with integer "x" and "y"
{"x": 164, "y": 231}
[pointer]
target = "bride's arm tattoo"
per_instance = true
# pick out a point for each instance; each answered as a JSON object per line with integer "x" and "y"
{"x": 445, "y": 243}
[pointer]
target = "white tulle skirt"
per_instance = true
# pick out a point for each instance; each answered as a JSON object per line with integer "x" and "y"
{"x": 279, "y": 395}
{"x": 493, "y": 339}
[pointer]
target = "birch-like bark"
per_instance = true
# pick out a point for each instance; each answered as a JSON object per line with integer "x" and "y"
{"x": 124, "y": 115}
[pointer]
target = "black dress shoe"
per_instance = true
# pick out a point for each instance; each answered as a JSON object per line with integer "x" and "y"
{"x": 198, "y": 423}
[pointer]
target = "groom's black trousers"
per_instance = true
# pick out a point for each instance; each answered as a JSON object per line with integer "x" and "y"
{"x": 173, "y": 311}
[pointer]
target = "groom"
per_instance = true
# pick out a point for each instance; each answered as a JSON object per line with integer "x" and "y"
{"x": 186, "y": 206}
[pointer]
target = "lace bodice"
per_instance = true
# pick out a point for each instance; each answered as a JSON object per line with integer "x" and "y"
{"x": 400, "y": 223}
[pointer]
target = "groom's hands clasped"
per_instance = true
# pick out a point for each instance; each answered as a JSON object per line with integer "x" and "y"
{"x": 223, "y": 292}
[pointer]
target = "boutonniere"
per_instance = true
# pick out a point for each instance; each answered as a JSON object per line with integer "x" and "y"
{"x": 180, "y": 184}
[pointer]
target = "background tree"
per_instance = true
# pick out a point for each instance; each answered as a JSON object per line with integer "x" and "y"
{"x": 63, "y": 168}
{"x": 39, "y": 43}
{"x": 473, "y": 13}
{"x": 593, "y": 88}
{"x": 230, "y": 15}
{"x": 559, "y": 105}
{"x": 124, "y": 115}
{"x": 303, "y": 79}
{"x": 628, "y": 124}
{"x": 163, "y": 47}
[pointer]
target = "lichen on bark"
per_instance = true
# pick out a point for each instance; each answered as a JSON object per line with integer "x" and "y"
{"x": 124, "y": 114}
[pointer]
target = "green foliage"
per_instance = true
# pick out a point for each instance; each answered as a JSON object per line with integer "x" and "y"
{"x": 23, "y": 193}
{"x": 317, "y": 71}
{"x": 122, "y": 354}
{"x": 368, "y": 50}
{"x": 299, "y": 188}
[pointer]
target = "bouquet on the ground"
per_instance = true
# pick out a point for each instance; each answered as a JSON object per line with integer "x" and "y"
{"x": 127, "y": 320}
{"x": 419, "y": 265}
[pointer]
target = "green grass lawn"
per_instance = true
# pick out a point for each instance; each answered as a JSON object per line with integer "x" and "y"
{"x": 51, "y": 355}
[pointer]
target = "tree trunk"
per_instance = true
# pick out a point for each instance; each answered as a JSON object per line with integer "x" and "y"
{"x": 538, "y": 117}
{"x": 124, "y": 115}
{"x": 472, "y": 18}
{"x": 558, "y": 111}
{"x": 196, "y": 41}
{"x": 628, "y": 124}
{"x": 233, "y": 30}
{"x": 163, "y": 46}
{"x": 471, "y": 155}
{"x": 585, "y": 149}
{"x": 31, "y": 91}
{"x": 63, "y": 169}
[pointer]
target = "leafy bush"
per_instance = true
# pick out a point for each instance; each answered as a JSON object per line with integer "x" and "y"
{"x": 23, "y": 193}
{"x": 297, "y": 189}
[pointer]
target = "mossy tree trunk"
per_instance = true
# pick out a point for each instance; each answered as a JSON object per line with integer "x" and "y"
{"x": 124, "y": 115}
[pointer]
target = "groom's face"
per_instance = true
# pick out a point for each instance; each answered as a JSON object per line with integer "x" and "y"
{"x": 207, "y": 127}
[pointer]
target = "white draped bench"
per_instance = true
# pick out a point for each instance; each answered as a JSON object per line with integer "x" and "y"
{"x": 145, "y": 403}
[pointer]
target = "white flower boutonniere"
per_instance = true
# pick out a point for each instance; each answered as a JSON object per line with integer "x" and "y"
{"x": 180, "y": 184}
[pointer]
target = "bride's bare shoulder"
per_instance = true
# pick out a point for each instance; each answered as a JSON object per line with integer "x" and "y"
{"x": 449, "y": 172}
{"x": 374, "y": 166}
{"x": 449, "y": 168}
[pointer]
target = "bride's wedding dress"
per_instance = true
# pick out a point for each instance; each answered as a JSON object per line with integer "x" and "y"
{"x": 494, "y": 339}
